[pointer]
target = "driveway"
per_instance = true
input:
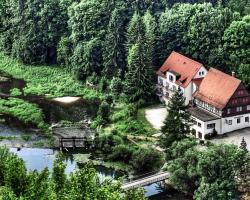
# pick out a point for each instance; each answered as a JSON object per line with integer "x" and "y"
{"x": 235, "y": 138}
{"x": 156, "y": 116}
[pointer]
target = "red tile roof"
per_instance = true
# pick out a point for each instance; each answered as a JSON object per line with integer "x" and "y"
{"x": 186, "y": 67}
{"x": 217, "y": 88}
{"x": 197, "y": 81}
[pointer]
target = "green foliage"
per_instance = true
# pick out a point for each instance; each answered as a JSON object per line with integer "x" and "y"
{"x": 236, "y": 47}
{"x": 26, "y": 112}
{"x": 138, "y": 85}
{"x": 18, "y": 184}
{"x": 45, "y": 80}
{"x": 121, "y": 153}
{"x": 116, "y": 86}
{"x": 147, "y": 160}
{"x": 15, "y": 92}
{"x": 178, "y": 121}
{"x": 209, "y": 173}
{"x": 114, "y": 54}
{"x": 104, "y": 111}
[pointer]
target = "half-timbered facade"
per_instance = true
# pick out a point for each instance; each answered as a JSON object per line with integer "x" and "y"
{"x": 222, "y": 104}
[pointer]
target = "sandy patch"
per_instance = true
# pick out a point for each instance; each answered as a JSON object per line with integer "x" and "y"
{"x": 156, "y": 116}
{"x": 67, "y": 100}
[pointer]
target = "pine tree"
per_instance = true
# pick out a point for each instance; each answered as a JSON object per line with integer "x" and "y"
{"x": 150, "y": 35}
{"x": 178, "y": 120}
{"x": 114, "y": 44}
{"x": 137, "y": 81}
{"x": 243, "y": 145}
{"x": 136, "y": 30}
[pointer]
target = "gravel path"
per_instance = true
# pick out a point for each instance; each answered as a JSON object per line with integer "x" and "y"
{"x": 235, "y": 138}
{"x": 156, "y": 116}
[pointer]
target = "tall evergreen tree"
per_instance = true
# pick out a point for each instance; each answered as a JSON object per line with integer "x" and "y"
{"x": 178, "y": 121}
{"x": 136, "y": 30}
{"x": 137, "y": 81}
{"x": 150, "y": 36}
{"x": 114, "y": 54}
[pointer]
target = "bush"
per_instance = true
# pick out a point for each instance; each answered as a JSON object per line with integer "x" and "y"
{"x": 27, "y": 113}
{"x": 104, "y": 110}
{"x": 106, "y": 142}
{"x": 116, "y": 86}
{"x": 147, "y": 160}
{"x": 15, "y": 92}
{"x": 128, "y": 111}
{"x": 121, "y": 153}
{"x": 209, "y": 136}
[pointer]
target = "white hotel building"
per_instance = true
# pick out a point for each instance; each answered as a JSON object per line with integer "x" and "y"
{"x": 220, "y": 102}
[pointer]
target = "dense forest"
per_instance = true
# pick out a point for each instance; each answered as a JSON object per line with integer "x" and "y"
{"x": 103, "y": 41}
{"x": 109, "y": 50}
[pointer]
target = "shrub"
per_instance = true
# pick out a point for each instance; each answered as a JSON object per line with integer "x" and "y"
{"x": 128, "y": 111}
{"x": 106, "y": 142}
{"x": 26, "y": 112}
{"x": 15, "y": 92}
{"x": 116, "y": 86}
{"x": 121, "y": 153}
{"x": 147, "y": 160}
{"x": 109, "y": 99}
{"x": 104, "y": 111}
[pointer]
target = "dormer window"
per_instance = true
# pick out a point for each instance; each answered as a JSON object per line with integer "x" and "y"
{"x": 171, "y": 78}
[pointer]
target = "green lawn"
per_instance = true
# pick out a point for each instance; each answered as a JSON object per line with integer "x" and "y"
{"x": 52, "y": 81}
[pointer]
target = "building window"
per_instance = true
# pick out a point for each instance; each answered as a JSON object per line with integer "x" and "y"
{"x": 160, "y": 81}
{"x": 174, "y": 88}
{"x": 199, "y": 124}
{"x": 246, "y": 119}
{"x": 248, "y": 107}
{"x": 228, "y": 110}
{"x": 239, "y": 109}
{"x": 193, "y": 132}
{"x": 240, "y": 92}
{"x": 234, "y": 101}
{"x": 238, "y": 120}
{"x": 171, "y": 78}
{"x": 230, "y": 122}
{"x": 211, "y": 126}
{"x": 245, "y": 100}
{"x": 200, "y": 135}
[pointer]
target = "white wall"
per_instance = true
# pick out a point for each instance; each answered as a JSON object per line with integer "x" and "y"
{"x": 198, "y": 75}
{"x": 235, "y": 126}
{"x": 188, "y": 92}
{"x": 203, "y": 129}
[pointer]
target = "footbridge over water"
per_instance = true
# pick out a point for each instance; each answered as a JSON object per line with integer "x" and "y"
{"x": 154, "y": 178}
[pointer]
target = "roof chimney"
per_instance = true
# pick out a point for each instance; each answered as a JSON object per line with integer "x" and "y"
{"x": 233, "y": 74}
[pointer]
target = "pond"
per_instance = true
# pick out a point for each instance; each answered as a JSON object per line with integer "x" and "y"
{"x": 40, "y": 158}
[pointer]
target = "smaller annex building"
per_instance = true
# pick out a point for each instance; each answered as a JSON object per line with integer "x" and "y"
{"x": 220, "y": 102}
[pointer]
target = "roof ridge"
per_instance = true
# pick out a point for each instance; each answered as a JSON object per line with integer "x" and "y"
{"x": 187, "y": 57}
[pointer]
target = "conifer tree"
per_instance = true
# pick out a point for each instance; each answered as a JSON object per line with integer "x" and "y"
{"x": 114, "y": 44}
{"x": 243, "y": 145}
{"x": 135, "y": 30}
{"x": 137, "y": 81}
{"x": 150, "y": 35}
{"x": 178, "y": 120}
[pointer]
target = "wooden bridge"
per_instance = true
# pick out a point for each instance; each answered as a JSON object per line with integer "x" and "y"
{"x": 74, "y": 142}
{"x": 158, "y": 177}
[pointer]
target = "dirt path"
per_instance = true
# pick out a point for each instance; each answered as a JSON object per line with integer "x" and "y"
{"x": 156, "y": 116}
